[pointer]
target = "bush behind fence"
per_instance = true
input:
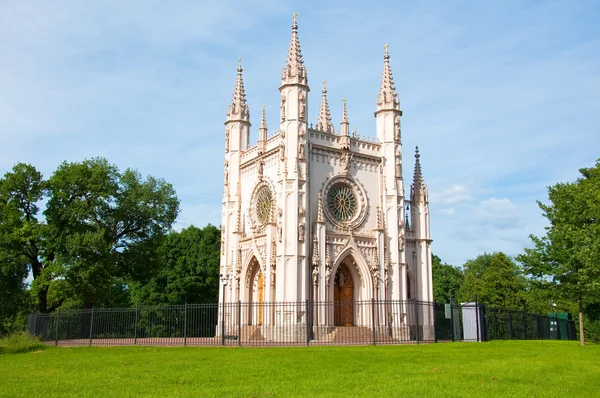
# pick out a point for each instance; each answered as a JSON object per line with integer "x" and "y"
{"x": 295, "y": 323}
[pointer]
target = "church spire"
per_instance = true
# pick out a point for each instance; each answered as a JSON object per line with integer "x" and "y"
{"x": 262, "y": 131}
{"x": 418, "y": 189}
{"x": 388, "y": 97}
{"x": 294, "y": 71}
{"x": 238, "y": 109}
{"x": 324, "y": 123}
{"x": 345, "y": 125}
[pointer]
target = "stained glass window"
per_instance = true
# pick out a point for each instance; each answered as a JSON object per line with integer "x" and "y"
{"x": 341, "y": 202}
{"x": 264, "y": 202}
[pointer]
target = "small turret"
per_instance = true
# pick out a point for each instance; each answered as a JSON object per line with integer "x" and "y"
{"x": 324, "y": 122}
{"x": 345, "y": 125}
{"x": 262, "y": 131}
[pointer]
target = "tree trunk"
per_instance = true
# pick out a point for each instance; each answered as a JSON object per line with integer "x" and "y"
{"x": 581, "y": 334}
{"x": 42, "y": 299}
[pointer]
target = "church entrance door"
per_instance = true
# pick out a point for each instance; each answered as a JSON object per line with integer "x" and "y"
{"x": 343, "y": 297}
{"x": 257, "y": 294}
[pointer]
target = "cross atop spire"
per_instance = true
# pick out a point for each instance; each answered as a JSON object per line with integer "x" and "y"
{"x": 388, "y": 97}
{"x": 238, "y": 109}
{"x": 324, "y": 122}
{"x": 294, "y": 70}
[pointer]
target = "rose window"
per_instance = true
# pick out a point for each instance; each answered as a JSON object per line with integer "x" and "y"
{"x": 341, "y": 202}
{"x": 264, "y": 203}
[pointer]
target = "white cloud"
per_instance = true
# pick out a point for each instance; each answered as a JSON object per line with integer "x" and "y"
{"x": 498, "y": 213}
{"x": 453, "y": 195}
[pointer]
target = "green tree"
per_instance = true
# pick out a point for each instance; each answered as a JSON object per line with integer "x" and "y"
{"x": 568, "y": 256}
{"x": 446, "y": 279}
{"x": 101, "y": 230}
{"x": 494, "y": 279}
{"x": 189, "y": 269}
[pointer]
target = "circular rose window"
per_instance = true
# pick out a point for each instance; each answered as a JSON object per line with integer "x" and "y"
{"x": 264, "y": 202}
{"x": 344, "y": 202}
{"x": 341, "y": 202}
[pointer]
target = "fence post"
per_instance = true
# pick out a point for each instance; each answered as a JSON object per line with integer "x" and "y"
{"x": 135, "y": 325}
{"x": 91, "y": 326}
{"x": 239, "y": 322}
{"x": 495, "y": 324}
{"x": 416, "y": 320}
{"x": 434, "y": 329}
{"x": 373, "y": 319}
{"x": 185, "y": 324}
{"x": 307, "y": 323}
{"x": 477, "y": 317}
{"x": 452, "y": 316}
{"x": 34, "y": 324}
{"x": 223, "y": 322}
{"x": 57, "y": 322}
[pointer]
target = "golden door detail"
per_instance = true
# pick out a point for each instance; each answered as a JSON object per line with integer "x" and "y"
{"x": 343, "y": 297}
{"x": 261, "y": 297}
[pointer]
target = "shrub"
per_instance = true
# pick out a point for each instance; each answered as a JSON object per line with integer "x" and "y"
{"x": 20, "y": 342}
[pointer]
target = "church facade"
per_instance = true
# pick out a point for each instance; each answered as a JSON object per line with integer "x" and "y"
{"x": 314, "y": 215}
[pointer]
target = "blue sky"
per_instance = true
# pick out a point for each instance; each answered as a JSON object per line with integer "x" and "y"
{"x": 501, "y": 97}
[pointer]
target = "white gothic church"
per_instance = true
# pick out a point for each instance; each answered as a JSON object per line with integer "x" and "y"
{"x": 311, "y": 214}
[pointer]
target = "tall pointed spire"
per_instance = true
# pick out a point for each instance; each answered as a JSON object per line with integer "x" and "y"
{"x": 262, "y": 131}
{"x": 238, "y": 110}
{"x": 294, "y": 70}
{"x": 418, "y": 187}
{"x": 324, "y": 123}
{"x": 387, "y": 97}
{"x": 345, "y": 125}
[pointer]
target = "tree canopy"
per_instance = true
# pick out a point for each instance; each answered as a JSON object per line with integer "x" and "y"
{"x": 100, "y": 228}
{"x": 568, "y": 256}
{"x": 188, "y": 269}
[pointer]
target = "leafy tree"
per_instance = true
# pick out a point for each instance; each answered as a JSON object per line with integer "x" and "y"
{"x": 189, "y": 270}
{"x": 494, "y": 279}
{"x": 446, "y": 279}
{"x": 568, "y": 256}
{"x": 102, "y": 228}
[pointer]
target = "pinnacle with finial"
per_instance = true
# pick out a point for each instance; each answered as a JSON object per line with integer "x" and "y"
{"x": 294, "y": 70}
{"x": 324, "y": 122}
{"x": 239, "y": 108}
{"x": 262, "y": 132}
{"x": 388, "y": 97}
{"x": 320, "y": 213}
{"x": 418, "y": 187}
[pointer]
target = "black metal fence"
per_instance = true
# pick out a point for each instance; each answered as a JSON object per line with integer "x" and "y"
{"x": 295, "y": 323}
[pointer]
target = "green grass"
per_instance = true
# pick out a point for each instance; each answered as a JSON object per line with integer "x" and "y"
{"x": 511, "y": 368}
{"x": 20, "y": 342}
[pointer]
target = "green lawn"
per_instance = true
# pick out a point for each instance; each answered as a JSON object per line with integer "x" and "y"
{"x": 511, "y": 368}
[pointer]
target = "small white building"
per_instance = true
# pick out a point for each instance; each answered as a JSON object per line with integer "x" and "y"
{"x": 316, "y": 215}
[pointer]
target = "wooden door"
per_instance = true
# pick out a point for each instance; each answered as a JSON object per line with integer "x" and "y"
{"x": 343, "y": 297}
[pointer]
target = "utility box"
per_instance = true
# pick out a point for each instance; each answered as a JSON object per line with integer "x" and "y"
{"x": 558, "y": 323}
{"x": 473, "y": 316}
